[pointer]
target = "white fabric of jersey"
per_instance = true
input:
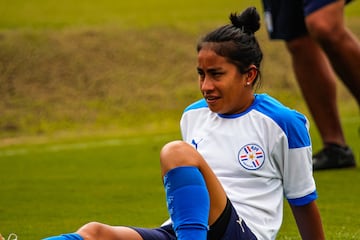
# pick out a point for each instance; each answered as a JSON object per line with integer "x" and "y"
{"x": 259, "y": 156}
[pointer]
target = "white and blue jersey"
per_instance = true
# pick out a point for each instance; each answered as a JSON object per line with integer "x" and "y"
{"x": 259, "y": 156}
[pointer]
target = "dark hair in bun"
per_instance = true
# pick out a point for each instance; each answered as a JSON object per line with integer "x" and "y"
{"x": 248, "y": 21}
{"x": 236, "y": 41}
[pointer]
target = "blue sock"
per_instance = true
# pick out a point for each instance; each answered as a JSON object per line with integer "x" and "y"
{"x": 69, "y": 236}
{"x": 188, "y": 202}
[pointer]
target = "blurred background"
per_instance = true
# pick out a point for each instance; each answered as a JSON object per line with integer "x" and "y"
{"x": 114, "y": 67}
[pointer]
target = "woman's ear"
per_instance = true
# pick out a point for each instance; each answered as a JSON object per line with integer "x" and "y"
{"x": 251, "y": 75}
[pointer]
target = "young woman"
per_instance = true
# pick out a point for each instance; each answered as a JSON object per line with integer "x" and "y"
{"x": 240, "y": 155}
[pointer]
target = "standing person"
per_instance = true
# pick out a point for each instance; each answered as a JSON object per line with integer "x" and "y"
{"x": 241, "y": 153}
{"x": 320, "y": 45}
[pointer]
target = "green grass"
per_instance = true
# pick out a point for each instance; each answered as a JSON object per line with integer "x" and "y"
{"x": 48, "y": 189}
{"x": 54, "y": 188}
{"x": 187, "y": 15}
{"x": 89, "y": 92}
{"x": 52, "y": 14}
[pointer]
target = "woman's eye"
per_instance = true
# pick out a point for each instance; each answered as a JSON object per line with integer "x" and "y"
{"x": 217, "y": 74}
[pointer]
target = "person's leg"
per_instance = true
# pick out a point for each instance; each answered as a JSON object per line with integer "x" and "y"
{"x": 189, "y": 183}
{"x": 317, "y": 82}
{"x": 94, "y": 231}
{"x": 326, "y": 26}
{"x": 314, "y": 73}
{"x": 318, "y": 86}
{"x": 195, "y": 197}
{"x": 68, "y": 236}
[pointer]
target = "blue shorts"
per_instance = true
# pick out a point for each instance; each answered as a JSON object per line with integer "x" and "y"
{"x": 285, "y": 19}
{"x": 228, "y": 227}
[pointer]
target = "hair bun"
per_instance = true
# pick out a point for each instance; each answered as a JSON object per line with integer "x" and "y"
{"x": 248, "y": 20}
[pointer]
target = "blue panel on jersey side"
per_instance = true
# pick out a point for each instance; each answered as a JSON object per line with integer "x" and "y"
{"x": 293, "y": 123}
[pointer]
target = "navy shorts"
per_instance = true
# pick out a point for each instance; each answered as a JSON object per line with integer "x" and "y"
{"x": 285, "y": 19}
{"x": 228, "y": 227}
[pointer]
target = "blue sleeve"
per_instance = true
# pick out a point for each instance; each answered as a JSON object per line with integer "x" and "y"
{"x": 293, "y": 123}
{"x": 303, "y": 200}
{"x": 198, "y": 104}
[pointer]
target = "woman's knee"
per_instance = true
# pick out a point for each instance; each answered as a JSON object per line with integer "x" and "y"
{"x": 91, "y": 230}
{"x": 176, "y": 154}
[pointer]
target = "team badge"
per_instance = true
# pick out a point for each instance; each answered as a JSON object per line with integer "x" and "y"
{"x": 251, "y": 156}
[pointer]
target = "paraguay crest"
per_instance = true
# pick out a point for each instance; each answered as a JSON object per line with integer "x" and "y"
{"x": 251, "y": 156}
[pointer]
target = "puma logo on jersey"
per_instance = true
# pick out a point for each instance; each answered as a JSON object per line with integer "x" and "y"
{"x": 196, "y": 142}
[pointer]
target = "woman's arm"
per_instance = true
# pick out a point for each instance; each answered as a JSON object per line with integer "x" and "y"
{"x": 308, "y": 221}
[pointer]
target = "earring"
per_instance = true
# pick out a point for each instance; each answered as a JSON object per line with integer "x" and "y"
{"x": 247, "y": 83}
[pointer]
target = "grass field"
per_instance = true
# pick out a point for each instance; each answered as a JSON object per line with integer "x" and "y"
{"x": 54, "y": 188}
{"x": 90, "y": 92}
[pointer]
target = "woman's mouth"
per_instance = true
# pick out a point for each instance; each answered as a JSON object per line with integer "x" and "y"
{"x": 211, "y": 99}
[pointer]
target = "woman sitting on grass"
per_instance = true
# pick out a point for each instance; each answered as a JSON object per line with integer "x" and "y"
{"x": 241, "y": 154}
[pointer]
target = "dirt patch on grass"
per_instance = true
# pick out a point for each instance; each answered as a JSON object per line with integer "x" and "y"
{"x": 72, "y": 80}
{"x": 66, "y": 79}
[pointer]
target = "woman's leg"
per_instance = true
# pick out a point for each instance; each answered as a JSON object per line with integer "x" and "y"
{"x": 177, "y": 160}
{"x": 194, "y": 194}
{"x": 95, "y": 230}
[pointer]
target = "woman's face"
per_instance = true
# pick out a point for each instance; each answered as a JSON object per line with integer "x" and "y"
{"x": 225, "y": 89}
